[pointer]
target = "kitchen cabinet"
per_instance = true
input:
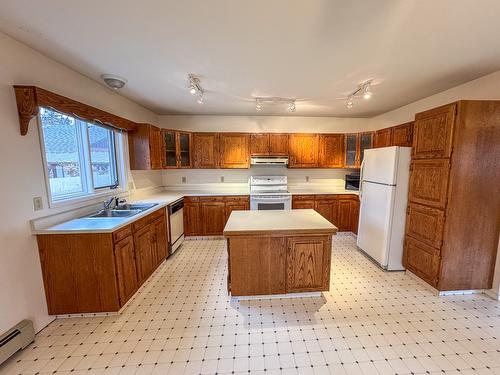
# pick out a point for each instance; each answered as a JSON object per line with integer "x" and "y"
{"x": 306, "y": 260}
{"x": 303, "y": 150}
{"x": 234, "y": 150}
{"x": 207, "y": 215}
{"x": 433, "y": 133}
{"x": 331, "y": 151}
{"x": 146, "y": 147}
{"x": 402, "y": 135}
{"x": 100, "y": 272}
{"x": 177, "y": 146}
{"x": 383, "y": 138}
{"x": 278, "y": 144}
{"x": 269, "y": 144}
{"x": 355, "y": 146}
{"x": 206, "y": 150}
{"x": 342, "y": 210}
{"x": 451, "y": 236}
{"x": 126, "y": 269}
{"x": 213, "y": 215}
{"x": 192, "y": 217}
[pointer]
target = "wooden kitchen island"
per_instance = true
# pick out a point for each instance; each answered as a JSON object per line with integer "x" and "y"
{"x": 278, "y": 252}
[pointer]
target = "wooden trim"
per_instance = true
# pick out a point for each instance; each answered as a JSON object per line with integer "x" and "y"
{"x": 30, "y": 98}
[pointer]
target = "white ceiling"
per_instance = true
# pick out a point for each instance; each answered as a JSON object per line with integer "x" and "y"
{"x": 315, "y": 50}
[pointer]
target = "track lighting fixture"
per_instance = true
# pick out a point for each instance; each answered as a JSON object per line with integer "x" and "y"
{"x": 364, "y": 90}
{"x": 196, "y": 89}
{"x": 259, "y": 106}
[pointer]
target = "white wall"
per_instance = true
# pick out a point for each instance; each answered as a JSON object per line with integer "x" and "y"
{"x": 484, "y": 88}
{"x": 21, "y": 288}
{"x": 276, "y": 124}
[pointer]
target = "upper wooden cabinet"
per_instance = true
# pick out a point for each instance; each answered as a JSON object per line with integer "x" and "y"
{"x": 269, "y": 144}
{"x": 234, "y": 150}
{"x": 177, "y": 146}
{"x": 259, "y": 144}
{"x": 433, "y": 133}
{"x": 402, "y": 135}
{"x": 331, "y": 150}
{"x": 382, "y": 138}
{"x": 303, "y": 150}
{"x": 205, "y": 150}
{"x": 146, "y": 147}
{"x": 278, "y": 144}
{"x": 355, "y": 146}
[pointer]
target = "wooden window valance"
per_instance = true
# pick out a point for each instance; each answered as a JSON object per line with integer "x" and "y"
{"x": 31, "y": 98}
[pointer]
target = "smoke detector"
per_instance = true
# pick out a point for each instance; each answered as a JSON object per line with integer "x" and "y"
{"x": 113, "y": 81}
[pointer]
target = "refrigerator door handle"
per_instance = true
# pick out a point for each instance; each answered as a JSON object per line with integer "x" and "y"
{"x": 361, "y": 180}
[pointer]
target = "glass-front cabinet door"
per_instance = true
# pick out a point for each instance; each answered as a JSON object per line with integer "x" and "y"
{"x": 365, "y": 142}
{"x": 355, "y": 146}
{"x": 351, "y": 146}
{"x": 170, "y": 149}
{"x": 184, "y": 147}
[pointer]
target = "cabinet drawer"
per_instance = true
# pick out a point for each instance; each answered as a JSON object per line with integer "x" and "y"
{"x": 423, "y": 260}
{"x": 236, "y": 198}
{"x": 122, "y": 233}
{"x": 429, "y": 182}
{"x": 425, "y": 224}
{"x": 191, "y": 199}
{"x": 212, "y": 199}
{"x": 147, "y": 219}
{"x": 305, "y": 197}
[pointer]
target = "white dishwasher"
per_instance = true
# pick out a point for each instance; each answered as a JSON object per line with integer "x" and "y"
{"x": 176, "y": 224}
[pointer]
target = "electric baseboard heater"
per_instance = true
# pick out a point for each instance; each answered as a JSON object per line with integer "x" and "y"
{"x": 15, "y": 339}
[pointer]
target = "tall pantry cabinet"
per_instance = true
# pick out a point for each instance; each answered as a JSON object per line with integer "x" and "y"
{"x": 453, "y": 216}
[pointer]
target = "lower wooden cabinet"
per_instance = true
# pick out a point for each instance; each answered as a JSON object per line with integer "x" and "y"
{"x": 423, "y": 260}
{"x": 126, "y": 269}
{"x": 100, "y": 272}
{"x": 342, "y": 210}
{"x": 207, "y": 216}
{"x": 308, "y": 263}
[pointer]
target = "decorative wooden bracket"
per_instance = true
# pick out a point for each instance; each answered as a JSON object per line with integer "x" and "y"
{"x": 27, "y": 107}
{"x": 31, "y": 98}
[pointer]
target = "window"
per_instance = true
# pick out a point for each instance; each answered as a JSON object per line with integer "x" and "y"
{"x": 80, "y": 157}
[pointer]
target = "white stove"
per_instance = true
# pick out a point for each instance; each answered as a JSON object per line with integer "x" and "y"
{"x": 269, "y": 193}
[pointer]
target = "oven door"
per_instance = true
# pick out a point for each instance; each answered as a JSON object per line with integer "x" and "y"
{"x": 271, "y": 202}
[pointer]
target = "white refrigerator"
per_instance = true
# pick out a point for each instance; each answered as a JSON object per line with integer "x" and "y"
{"x": 383, "y": 193}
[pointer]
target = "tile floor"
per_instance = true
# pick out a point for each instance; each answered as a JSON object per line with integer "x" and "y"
{"x": 182, "y": 322}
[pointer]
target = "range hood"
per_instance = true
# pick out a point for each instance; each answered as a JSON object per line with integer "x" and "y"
{"x": 269, "y": 160}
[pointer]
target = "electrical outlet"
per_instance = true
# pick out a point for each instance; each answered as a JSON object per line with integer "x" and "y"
{"x": 37, "y": 203}
{"x": 221, "y": 178}
{"x": 307, "y": 178}
{"x": 183, "y": 179}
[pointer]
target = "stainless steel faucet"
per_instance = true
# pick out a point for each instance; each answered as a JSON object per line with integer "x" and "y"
{"x": 108, "y": 202}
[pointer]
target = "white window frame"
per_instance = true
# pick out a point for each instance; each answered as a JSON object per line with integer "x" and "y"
{"x": 90, "y": 193}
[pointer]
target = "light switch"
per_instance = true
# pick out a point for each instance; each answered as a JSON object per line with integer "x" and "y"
{"x": 37, "y": 203}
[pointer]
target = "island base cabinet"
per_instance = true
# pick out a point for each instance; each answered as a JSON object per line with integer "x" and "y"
{"x": 308, "y": 264}
{"x": 283, "y": 264}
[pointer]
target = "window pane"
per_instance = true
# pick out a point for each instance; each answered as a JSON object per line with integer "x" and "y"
{"x": 102, "y": 156}
{"x": 62, "y": 137}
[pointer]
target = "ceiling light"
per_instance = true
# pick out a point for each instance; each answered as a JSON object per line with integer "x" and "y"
{"x": 195, "y": 88}
{"x": 259, "y": 106}
{"x": 200, "y": 99}
{"x": 364, "y": 90}
{"x": 367, "y": 91}
{"x": 113, "y": 81}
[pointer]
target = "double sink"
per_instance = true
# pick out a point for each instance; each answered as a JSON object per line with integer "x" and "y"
{"x": 124, "y": 210}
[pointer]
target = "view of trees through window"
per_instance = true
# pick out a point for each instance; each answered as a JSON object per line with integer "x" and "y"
{"x": 80, "y": 156}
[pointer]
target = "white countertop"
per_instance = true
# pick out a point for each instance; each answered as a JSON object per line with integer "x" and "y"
{"x": 164, "y": 198}
{"x": 296, "y": 221}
